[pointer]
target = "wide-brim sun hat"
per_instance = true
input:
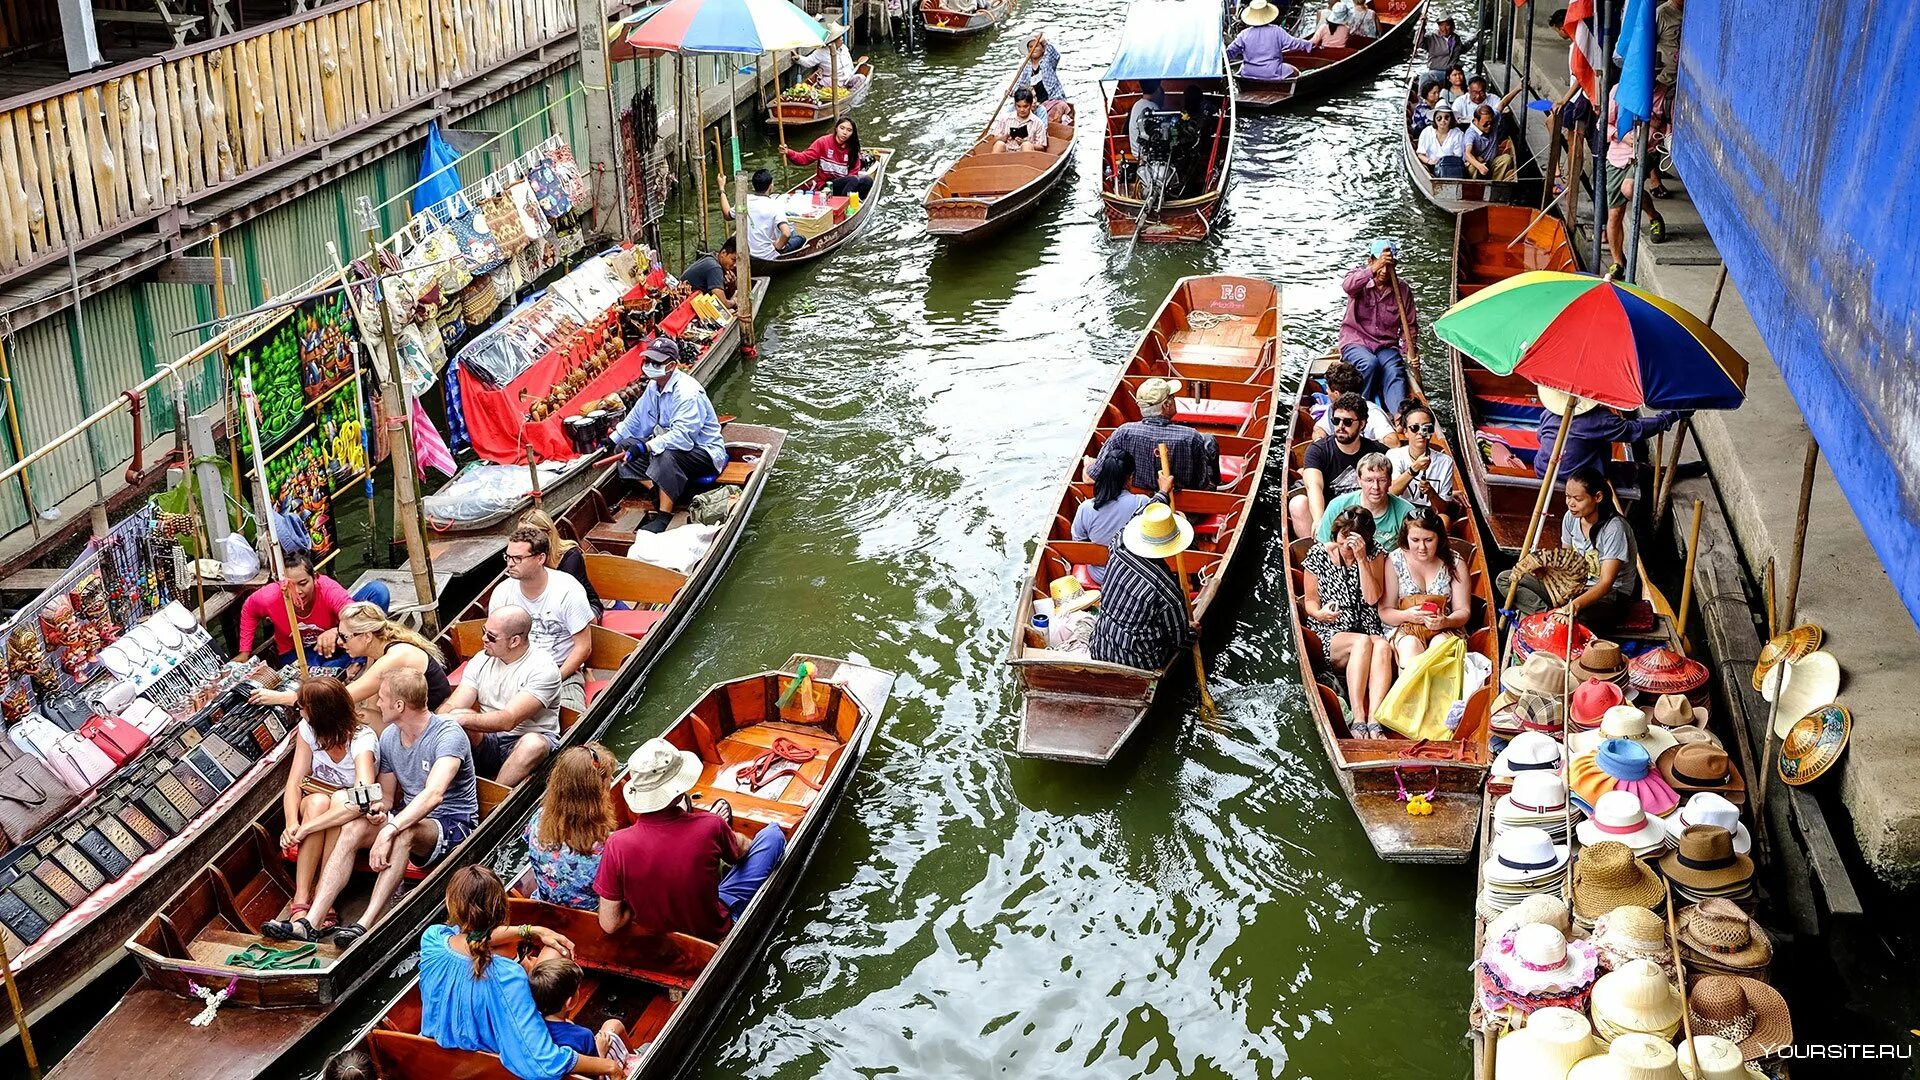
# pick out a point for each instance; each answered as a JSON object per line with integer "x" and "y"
{"x": 1744, "y": 1011}
{"x": 1537, "y": 960}
{"x": 1704, "y": 861}
{"x": 1070, "y": 596}
{"x": 1632, "y": 1056}
{"x": 1552, "y": 1040}
{"x": 1630, "y": 932}
{"x": 1524, "y": 855}
{"x": 1627, "y": 722}
{"x": 1723, "y": 934}
{"x": 1635, "y": 997}
{"x": 1601, "y": 659}
{"x": 1529, "y": 751}
{"x": 1541, "y": 674}
{"x": 1699, "y": 767}
{"x": 1618, "y": 816}
{"x": 1797, "y": 687}
{"x": 1792, "y": 645}
{"x": 1607, "y": 876}
{"x": 1712, "y": 811}
{"x": 1665, "y": 671}
{"x": 1536, "y": 797}
{"x": 1618, "y": 764}
{"x": 1677, "y": 710}
{"x": 1556, "y": 401}
{"x": 1589, "y": 702}
{"x": 1814, "y": 744}
{"x": 1543, "y": 631}
{"x": 1157, "y": 532}
{"x": 1710, "y": 1057}
{"x": 1545, "y": 908}
{"x": 658, "y": 772}
{"x": 1259, "y": 13}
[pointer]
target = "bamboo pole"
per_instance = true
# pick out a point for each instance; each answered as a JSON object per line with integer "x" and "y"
{"x": 743, "y": 262}
{"x": 700, "y": 143}
{"x": 779, "y": 114}
{"x": 19, "y": 1013}
{"x": 276, "y": 561}
{"x": 833, "y": 88}
{"x": 1209, "y": 715}
{"x": 1540, "y": 500}
{"x": 1679, "y": 970}
{"x": 1686, "y": 583}
{"x": 1789, "y": 609}
{"x": 1663, "y": 478}
{"x": 1406, "y": 332}
{"x": 226, "y": 368}
{"x": 1773, "y": 621}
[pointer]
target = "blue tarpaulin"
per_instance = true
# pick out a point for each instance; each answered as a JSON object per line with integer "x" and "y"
{"x": 438, "y": 180}
{"x": 1813, "y": 198}
{"x": 1170, "y": 39}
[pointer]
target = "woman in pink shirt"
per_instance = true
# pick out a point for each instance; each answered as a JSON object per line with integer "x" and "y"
{"x": 317, "y": 601}
{"x": 836, "y": 160}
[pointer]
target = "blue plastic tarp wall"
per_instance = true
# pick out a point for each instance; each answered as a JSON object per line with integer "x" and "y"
{"x": 1170, "y": 39}
{"x": 1795, "y": 132}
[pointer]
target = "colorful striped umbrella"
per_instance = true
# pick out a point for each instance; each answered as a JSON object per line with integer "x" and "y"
{"x": 1599, "y": 339}
{"x": 727, "y": 26}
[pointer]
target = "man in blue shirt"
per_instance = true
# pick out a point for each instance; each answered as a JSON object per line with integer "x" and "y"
{"x": 672, "y": 435}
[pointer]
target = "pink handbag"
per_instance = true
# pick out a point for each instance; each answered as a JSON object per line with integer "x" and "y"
{"x": 119, "y": 740}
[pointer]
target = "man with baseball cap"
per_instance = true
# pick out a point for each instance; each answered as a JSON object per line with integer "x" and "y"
{"x": 1380, "y": 315}
{"x": 1194, "y": 456}
{"x": 672, "y": 435}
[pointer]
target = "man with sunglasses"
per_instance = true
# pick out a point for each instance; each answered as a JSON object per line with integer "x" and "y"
{"x": 1332, "y": 465}
{"x": 557, "y": 605}
{"x": 508, "y": 700}
{"x": 1422, "y": 474}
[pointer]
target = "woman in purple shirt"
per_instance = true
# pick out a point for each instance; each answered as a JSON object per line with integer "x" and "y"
{"x": 1262, "y": 47}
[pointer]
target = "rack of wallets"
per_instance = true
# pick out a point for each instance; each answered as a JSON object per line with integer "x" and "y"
{"x": 152, "y": 799}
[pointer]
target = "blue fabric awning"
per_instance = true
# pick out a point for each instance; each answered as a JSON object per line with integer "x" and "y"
{"x": 1170, "y": 39}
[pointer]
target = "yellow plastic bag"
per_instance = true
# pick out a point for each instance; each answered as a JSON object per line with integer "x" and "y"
{"x": 1418, "y": 703}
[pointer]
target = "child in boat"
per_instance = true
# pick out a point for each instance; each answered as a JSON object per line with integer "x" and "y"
{"x": 554, "y": 982}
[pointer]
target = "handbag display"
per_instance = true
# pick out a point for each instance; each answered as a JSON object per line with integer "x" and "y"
{"x": 479, "y": 250}
{"x": 116, "y": 738}
{"x": 79, "y": 763}
{"x": 571, "y": 177}
{"x": 31, "y": 797}
{"x": 547, "y": 187}
{"x": 504, "y": 223}
{"x": 146, "y": 716}
{"x": 442, "y": 247}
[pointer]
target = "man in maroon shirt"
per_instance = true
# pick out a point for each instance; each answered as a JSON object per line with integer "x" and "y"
{"x": 663, "y": 871}
{"x": 1380, "y": 319}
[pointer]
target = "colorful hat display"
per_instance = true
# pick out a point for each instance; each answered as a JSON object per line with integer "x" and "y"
{"x": 1537, "y": 960}
{"x": 1717, "y": 937}
{"x": 1538, "y": 800}
{"x": 1814, "y": 744}
{"x": 1702, "y": 767}
{"x": 1636, "y": 998}
{"x": 1530, "y": 751}
{"x": 1601, "y": 659}
{"x": 1546, "y": 632}
{"x": 1625, "y": 722}
{"x": 1743, "y": 1011}
{"x": 1797, "y": 687}
{"x": 1539, "y": 674}
{"x": 1617, "y": 764}
{"x": 1631, "y": 1057}
{"x": 1629, "y": 933}
{"x": 1617, "y": 816}
{"x": 1704, "y": 865}
{"x": 1796, "y": 643}
{"x": 1708, "y": 809}
{"x": 1607, "y": 876}
{"x": 1664, "y": 671}
{"x": 1553, "y": 1039}
{"x": 1591, "y": 699}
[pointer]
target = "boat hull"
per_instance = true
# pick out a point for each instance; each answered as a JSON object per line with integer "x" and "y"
{"x": 841, "y": 234}
{"x": 801, "y": 115}
{"x": 1320, "y": 76}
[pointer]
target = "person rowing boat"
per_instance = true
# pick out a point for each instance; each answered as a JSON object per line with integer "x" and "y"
{"x": 1040, "y": 73}
{"x": 1263, "y": 46}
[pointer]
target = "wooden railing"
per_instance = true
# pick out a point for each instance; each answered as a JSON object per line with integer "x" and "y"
{"x": 90, "y": 158}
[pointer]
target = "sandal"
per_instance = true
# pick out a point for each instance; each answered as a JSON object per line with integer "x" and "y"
{"x": 1661, "y": 192}
{"x": 723, "y": 808}
{"x": 1657, "y": 231}
{"x": 348, "y": 934}
{"x": 295, "y": 929}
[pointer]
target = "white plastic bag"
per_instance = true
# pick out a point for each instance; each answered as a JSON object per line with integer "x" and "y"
{"x": 238, "y": 561}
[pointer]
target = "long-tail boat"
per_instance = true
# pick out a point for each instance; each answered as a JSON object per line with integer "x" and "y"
{"x": 1374, "y": 772}
{"x": 844, "y": 219}
{"x": 1456, "y": 196}
{"x": 670, "y": 989}
{"x": 1220, "y": 336}
{"x": 1169, "y": 191}
{"x": 799, "y": 114}
{"x": 199, "y": 933}
{"x": 1329, "y": 67}
{"x": 982, "y": 191}
{"x": 954, "y": 19}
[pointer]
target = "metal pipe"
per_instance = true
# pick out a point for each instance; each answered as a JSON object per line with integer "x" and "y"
{"x": 1526, "y": 77}
{"x": 1599, "y": 119}
{"x": 1630, "y": 268}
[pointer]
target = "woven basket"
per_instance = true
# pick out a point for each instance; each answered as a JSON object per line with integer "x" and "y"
{"x": 1562, "y": 571}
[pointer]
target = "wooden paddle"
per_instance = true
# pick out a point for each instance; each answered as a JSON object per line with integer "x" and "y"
{"x": 1679, "y": 971}
{"x": 1209, "y": 715}
{"x": 1406, "y": 333}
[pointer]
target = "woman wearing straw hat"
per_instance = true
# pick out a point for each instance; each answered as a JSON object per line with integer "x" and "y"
{"x": 1143, "y": 615}
{"x": 1262, "y": 47}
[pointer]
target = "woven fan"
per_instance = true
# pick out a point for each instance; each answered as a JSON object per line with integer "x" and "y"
{"x": 1562, "y": 570}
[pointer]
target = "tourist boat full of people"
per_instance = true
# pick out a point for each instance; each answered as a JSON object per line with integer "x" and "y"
{"x": 1214, "y": 347}
{"x": 1521, "y": 181}
{"x": 828, "y": 221}
{"x": 209, "y": 938}
{"x": 1007, "y": 170}
{"x": 1343, "y": 52}
{"x": 1170, "y": 133}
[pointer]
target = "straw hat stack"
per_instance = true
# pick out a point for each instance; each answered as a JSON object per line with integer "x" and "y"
{"x": 1629, "y": 933}
{"x": 1553, "y": 1040}
{"x": 1703, "y": 865}
{"x": 1746, "y": 1012}
{"x": 1636, "y": 998}
{"x": 1607, "y": 876}
{"x": 1525, "y": 861}
{"x": 1717, "y": 938}
{"x": 1718, "y": 1060}
{"x": 1534, "y": 967}
{"x": 1538, "y": 800}
{"x": 1631, "y": 1057}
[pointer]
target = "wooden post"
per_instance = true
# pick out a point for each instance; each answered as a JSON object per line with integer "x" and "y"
{"x": 1663, "y": 477}
{"x": 1713, "y": 306}
{"x": 603, "y": 129}
{"x": 1789, "y": 609}
{"x": 779, "y": 114}
{"x": 1540, "y": 501}
{"x": 19, "y": 1013}
{"x": 1686, "y": 583}
{"x": 1679, "y": 972}
{"x": 833, "y": 66}
{"x": 743, "y": 261}
{"x": 1209, "y": 715}
{"x": 700, "y": 145}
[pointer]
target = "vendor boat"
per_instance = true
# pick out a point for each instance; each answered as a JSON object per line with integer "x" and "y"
{"x": 1378, "y": 775}
{"x": 982, "y": 191}
{"x": 802, "y": 113}
{"x": 1219, "y": 335}
{"x": 671, "y": 989}
{"x": 837, "y": 222}
{"x": 207, "y": 934}
{"x": 1456, "y": 196}
{"x": 953, "y": 19}
{"x": 1174, "y": 189}
{"x": 1330, "y": 67}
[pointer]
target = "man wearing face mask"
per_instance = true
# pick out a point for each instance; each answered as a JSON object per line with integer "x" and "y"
{"x": 672, "y": 435}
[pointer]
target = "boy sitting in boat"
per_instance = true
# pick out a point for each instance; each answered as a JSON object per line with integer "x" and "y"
{"x": 1024, "y": 128}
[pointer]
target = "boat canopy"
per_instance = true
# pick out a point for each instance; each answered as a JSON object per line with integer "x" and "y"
{"x": 1170, "y": 39}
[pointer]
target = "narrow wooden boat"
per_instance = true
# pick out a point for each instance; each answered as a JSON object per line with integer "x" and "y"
{"x": 1220, "y": 336}
{"x": 793, "y": 114}
{"x": 951, "y": 19}
{"x": 670, "y": 989}
{"x": 1499, "y": 415}
{"x": 1325, "y": 70}
{"x": 847, "y": 227}
{"x": 1373, "y": 771}
{"x": 982, "y": 191}
{"x": 1176, "y": 42}
{"x": 1457, "y": 196}
{"x": 199, "y": 931}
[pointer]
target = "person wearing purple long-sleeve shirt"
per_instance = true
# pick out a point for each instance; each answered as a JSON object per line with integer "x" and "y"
{"x": 1595, "y": 429}
{"x": 1262, "y": 47}
{"x": 1370, "y": 334}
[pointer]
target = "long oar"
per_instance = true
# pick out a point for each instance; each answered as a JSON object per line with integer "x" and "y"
{"x": 1209, "y": 716}
{"x": 1406, "y": 333}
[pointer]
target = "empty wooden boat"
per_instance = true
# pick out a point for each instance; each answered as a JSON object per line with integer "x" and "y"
{"x": 1219, "y": 335}
{"x": 670, "y": 989}
{"x": 1328, "y": 68}
{"x": 951, "y": 19}
{"x": 1174, "y": 189}
{"x": 982, "y": 191}
{"x": 795, "y": 113}
{"x": 839, "y": 222}
{"x": 201, "y": 934}
{"x": 1457, "y": 196}
{"x": 1372, "y": 772}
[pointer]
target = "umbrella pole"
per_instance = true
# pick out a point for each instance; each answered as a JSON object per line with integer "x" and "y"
{"x": 779, "y": 114}
{"x": 1209, "y": 715}
{"x": 1807, "y": 470}
{"x": 1540, "y": 501}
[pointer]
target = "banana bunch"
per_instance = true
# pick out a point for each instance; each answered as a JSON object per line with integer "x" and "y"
{"x": 344, "y": 447}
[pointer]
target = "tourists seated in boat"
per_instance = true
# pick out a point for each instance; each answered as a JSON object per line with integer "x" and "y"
{"x": 1444, "y": 48}
{"x": 317, "y": 603}
{"x": 508, "y": 700}
{"x": 557, "y": 605}
{"x": 1468, "y": 102}
{"x": 839, "y": 168}
{"x": 1335, "y": 28}
{"x": 1455, "y": 87}
{"x": 1263, "y": 46}
{"x": 1041, "y": 74}
{"x": 377, "y": 647}
{"x": 1432, "y": 97}
{"x": 663, "y": 871}
{"x": 1443, "y": 147}
{"x": 770, "y": 233}
{"x": 1331, "y": 468}
{"x": 1428, "y": 594}
{"x": 1021, "y": 128}
{"x": 671, "y": 435}
{"x": 1379, "y": 318}
{"x": 1591, "y": 527}
{"x": 1364, "y": 24}
{"x": 429, "y": 803}
{"x": 333, "y": 776}
{"x": 1144, "y": 619}
{"x": 1595, "y": 429}
{"x": 566, "y": 835}
{"x": 1490, "y": 153}
{"x": 1422, "y": 472}
{"x": 471, "y": 998}
{"x": 553, "y": 982}
{"x": 1342, "y": 582}
{"x": 713, "y": 274}
{"x": 563, "y": 554}
{"x": 819, "y": 65}
{"x": 1373, "y": 495}
{"x": 1343, "y": 378}
{"x": 1194, "y": 455}
{"x": 1099, "y": 520}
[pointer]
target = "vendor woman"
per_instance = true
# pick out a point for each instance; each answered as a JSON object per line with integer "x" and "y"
{"x": 317, "y": 603}
{"x": 836, "y": 160}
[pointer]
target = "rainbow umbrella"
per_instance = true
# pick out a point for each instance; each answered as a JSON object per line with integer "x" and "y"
{"x": 727, "y": 26}
{"x": 1599, "y": 339}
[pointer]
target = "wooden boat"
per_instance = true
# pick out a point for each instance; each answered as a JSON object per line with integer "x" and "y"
{"x": 670, "y": 989}
{"x": 1372, "y": 771}
{"x": 1499, "y": 415}
{"x": 951, "y": 19}
{"x": 218, "y": 913}
{"x": 841, "y": 231}
{"x": 983, "y": 190}
{"x": 1457, "y": 196}
{"x": 1178, "y": 43}
{"x": 792, "y": 114}
{"x": 1081, "y": 709}
{"x": 1327, "y": 69}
